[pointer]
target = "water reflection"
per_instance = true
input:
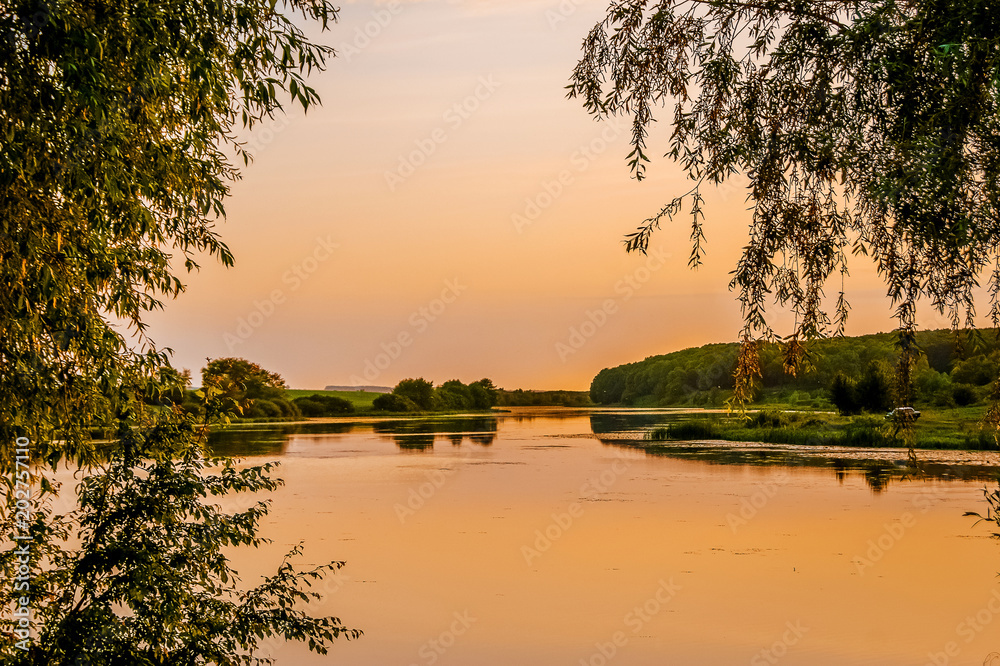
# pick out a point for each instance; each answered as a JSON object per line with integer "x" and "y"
{"x": 413, "y": 441}
{"x": 473, "y": 517}
{"x": 420, "y": 434}
{"x": 878, "y": 466}
{"x": 620, "y": 428}
{"x": 625, "y": 421}
{"x": 265, "y": 439}
{"x": 243, "y": 442}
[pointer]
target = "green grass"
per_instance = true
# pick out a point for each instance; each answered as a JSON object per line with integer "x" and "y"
{"x": 956, "y": 428}
{"x": 362, "y": 400}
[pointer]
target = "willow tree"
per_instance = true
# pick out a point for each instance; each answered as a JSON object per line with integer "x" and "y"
{"x": 118, "y": 143}
{"x": 119, "y": 139}
{"x": 863, "y": 128}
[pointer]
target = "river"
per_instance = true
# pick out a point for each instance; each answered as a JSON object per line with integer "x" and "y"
{"x": 543, "y": 537}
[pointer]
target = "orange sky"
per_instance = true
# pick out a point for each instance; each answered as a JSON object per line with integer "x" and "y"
{"x": 447, "y": 213}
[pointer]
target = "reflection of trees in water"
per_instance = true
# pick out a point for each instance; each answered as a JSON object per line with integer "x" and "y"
{"x": 327, "y": 427}
{"x": 246, "y": 442}
{"x": 877, "y": 473}
{"x": 483, "y": 438}
{"x": 414, "y": 442}
{"x": 616, "y": 422}
{"x": 420, "y": 433}
{"x": 266, "y": 439}
{"x": 840, "y": 470}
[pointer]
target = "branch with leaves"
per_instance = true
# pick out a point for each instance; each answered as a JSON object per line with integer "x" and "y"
{"x": 864, "y": 129}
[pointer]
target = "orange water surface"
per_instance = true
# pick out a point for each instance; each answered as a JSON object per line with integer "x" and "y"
{"x": 535, "y": 542}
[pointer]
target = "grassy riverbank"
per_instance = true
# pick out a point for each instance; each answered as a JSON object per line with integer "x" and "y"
{"x": 955, "y": 428}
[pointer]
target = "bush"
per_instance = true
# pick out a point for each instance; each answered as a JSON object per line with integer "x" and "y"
{"x": 964, "y": 395}
{"x": 768, "y": 418}
{"x": 484, "y": 394}
{"x": 979, "y": 370}
{"x": 309, "y": 407}
{"x": 685, "y": 430}
{"x": 867, "y": 431}
{"x": 419, "y": 391}
{"x": 390, "y": 402}
{"x": 262, "y": 409}
{"x": 453, "y": 395}
{"x": 933, "y": 387}
{"x": 286, "y": 408}
{"x": 323, "y": 405}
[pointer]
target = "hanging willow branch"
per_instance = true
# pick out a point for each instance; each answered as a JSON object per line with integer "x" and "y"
{"x": 863, "y": 128}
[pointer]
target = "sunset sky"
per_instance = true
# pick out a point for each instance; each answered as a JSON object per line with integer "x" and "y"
{"x": 449, "y": 209}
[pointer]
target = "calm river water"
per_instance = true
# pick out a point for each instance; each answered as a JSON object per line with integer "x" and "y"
{"x": 540, "y": 538}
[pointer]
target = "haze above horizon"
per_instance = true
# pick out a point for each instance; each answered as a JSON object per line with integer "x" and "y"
{"x": 447, "y": 213}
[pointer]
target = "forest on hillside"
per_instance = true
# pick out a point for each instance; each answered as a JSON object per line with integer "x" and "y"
{"x": 955, "y": 368}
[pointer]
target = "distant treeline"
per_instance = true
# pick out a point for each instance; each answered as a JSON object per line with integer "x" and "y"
{"x": 522, "y": 398}
{"x": 955, "y": 369}
{"x": 420, "y": 395}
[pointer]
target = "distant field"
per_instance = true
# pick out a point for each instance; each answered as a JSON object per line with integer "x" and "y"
{"x": 362, "y": 400}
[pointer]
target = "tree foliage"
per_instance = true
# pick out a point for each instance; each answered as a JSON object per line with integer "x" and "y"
{"x": 318, "y": 404}
{"x": 253, "y": 391}
{"x": 419, "y": 390}
{"x": 243, "y": 375}
{"x": 119, "y": 126}
{"x": 704, "y": 375}
{"x": 484, "y": 394}
{"x": 844, "y": 394}
{"x": 149, "y": 581}
{"x": 871, "y": 392}
{"x": 863, "y": 128}
{"x": 394, "y": 402}
{"x": 419, "y": 394}
{"x": 454, "y": 395}
{"x": 118, "y": 141}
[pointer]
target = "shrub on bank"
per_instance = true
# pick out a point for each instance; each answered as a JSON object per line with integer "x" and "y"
{"x": 317, "y": 405}
{"x": 392, "y": 402}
